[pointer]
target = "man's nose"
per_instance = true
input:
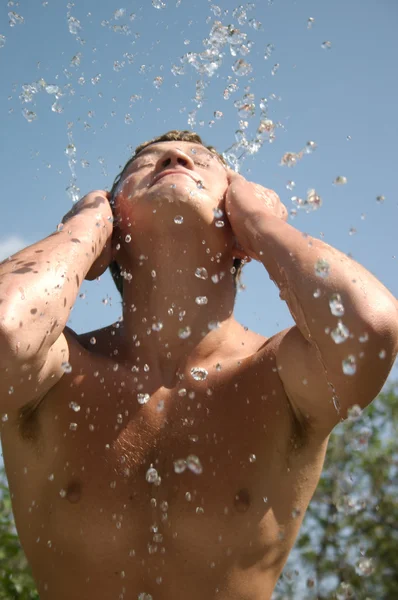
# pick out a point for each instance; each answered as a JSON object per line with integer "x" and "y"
{"x": 173, "y": 158}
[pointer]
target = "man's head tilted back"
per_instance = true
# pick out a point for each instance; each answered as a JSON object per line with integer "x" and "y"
{"x": 196, "y": 194}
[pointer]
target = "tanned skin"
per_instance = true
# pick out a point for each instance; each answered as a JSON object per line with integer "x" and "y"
{"x": 132, "y": 477}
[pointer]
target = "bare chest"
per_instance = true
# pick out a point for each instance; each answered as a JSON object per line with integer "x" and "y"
{"x": 110, "y": 462}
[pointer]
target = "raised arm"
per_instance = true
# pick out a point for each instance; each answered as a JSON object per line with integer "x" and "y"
{"x": 345, "y": 340}
{"x": 38, "y": 287}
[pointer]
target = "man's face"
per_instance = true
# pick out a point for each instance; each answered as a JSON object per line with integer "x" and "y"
{"x": 183, "y": 177}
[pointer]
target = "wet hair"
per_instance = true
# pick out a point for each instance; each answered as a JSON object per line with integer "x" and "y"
{"x": 171, "y": 136}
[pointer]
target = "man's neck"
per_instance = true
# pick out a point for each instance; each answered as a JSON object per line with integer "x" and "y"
{"x": 172, "y": 316}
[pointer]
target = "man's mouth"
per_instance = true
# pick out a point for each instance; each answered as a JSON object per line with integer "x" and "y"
{"x": 174, "y": 172}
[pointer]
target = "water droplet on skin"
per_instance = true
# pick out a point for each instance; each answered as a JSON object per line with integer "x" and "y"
{"x": 11, "y": 389}
{"x": 317, "y": 293}
{"x": 74, "y": 406}
{"x": 382, "y": 354}
{"x": 218, "y": 213}
{"x": 4, "y": 418}
{"x": 322, "y": 268}
{"x": 66, "y": 367}
{"x": 73, "y": 426}
{"x": 184, "y": 332}
{"x": 220, "y": 224}
{"x": 143, "y": 398}
{"x": 152, "y": 476}
{"x": 201, "y": 300}
{"x": 144, "y": 596}
{"x": 252, "y": 458}
{"x": 127, "y": 239}
{"x": 178, "y": 219}
{"x": 62, "y": 493}
{"x": 199, "y": 374}
{"x": 340, "y": 334}
{"x": 182, "y": 392}
{"x": 194, "y": 464}
{"x": 214, "y": 325}
{"x": 93, "y": 341}
{"x": 336, "y": 305}
{"x": 180, "y": 465}
{"x": 349, "y": 365}
{"x": 157, "y": 326}
{"x": 201, "y": 273}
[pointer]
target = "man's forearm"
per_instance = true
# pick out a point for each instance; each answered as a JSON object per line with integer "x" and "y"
{"x": 309, "y": 273}
{"x": 39, "y": 285}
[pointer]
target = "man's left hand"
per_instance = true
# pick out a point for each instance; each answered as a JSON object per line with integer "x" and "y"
{"x": 245, "y": 201}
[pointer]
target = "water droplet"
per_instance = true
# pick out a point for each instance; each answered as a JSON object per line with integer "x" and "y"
{"x": 144, "y": 596}
{"x": 200, "y": 185}
{"x": 349, "y": 365}
{"x": 336, "y": 305}
{"x": 74, "y": 406}
{"x": 158, "y": 4}
{"x": 29, "y": 115}
{"x": 382, "y": 354}
{"x": 66, "y": 367}
{"x": 252, "y": 458}
{"x": 11, "y": 389}
{"x": 310, "y": 22}
{"x": 354, "y": 413}
{"x": 201, "y": 300}
{"x": 296, "y": 512}
{"x": 143, "y": 398}
{"x": 180, "y": 465}
{"x": 152, "y": 476}
{"x": 327, "y": 45}
{"x": 182, "y": 392}
{"x": 340, "y": 334}
{"x": 2, "y": 41}
{"x": 57, "y": 108}
{"x": 214, "y": 325}
{"x": 340, "y": 180}
{"x": 15, "y": 19}
{"x": 317, "y": 293}
{"x": 380, "y": 199}
{"x": 219, "y": 224}
{"x": 198, "y": 373}
{"x": 4, "y": 418}
{"x": 194, "y": 464}
{"x": 62, "y": 493}
{"x": 157, "y": 82}
{"x": 184, "y": 332}
{"x": 127, "y": 239}
{"x": 73, "y": 426}
{"x": 178, "y": 219}
{"x": 268, "y": 51}
{"x": 365, "y": 567}
{"x": 201, "y": 273}
{"x": 242, "y": 68}
{"x": 74, "y": 25}
{"x": 322, "y": 268}
{"x": 275, "y": 69}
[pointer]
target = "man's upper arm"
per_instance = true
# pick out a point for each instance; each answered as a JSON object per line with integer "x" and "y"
{"x": 315, "y": 390}
{"x": 27, "y": 381}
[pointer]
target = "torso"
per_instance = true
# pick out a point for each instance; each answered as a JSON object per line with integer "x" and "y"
{"x": 94, "y": 528}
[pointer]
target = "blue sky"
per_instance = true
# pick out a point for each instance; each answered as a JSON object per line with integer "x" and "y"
{"x": 342, "y": 97}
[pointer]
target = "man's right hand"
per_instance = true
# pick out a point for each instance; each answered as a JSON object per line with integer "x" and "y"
{"x": 96, "y": 205}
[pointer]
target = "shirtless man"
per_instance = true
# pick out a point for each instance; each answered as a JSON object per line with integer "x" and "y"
{"x": 173, "y": 455}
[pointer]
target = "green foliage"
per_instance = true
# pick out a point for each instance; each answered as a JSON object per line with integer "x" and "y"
{"x": 348, "y": 544}
{"x": 16, "y": 582}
